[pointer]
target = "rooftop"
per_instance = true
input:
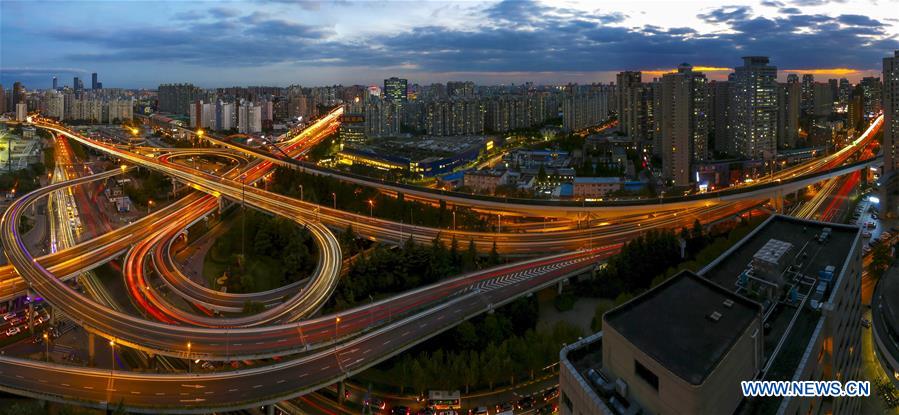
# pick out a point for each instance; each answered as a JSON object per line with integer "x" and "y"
{"x": 687, "y": 323}
{"x": 811, "y": 255}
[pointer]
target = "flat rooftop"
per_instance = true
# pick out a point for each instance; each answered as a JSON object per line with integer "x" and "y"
{"x": 812, "y": 256}
{"x": 673, "y": 323}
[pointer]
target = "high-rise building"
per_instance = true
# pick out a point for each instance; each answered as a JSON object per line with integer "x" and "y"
{"x": 94, "y": 84}
{"x": 683, "y": 120}
{"x": 890, "y": 113}
{"x": 21, "y": 111}
{"x": 845, "y": 92}
{"x": 788, "y": 104}
{"x": 585, "y": 108}
{"x": 55, "y": 83}
{"x": 719, "y": 96}
{"x": 175, "y": 98}
{"x": 808, "y": 93}
{"x": 78, "y": 86}
{"x": 249, "y": 119}
{"x": 53, "y": 104}
{"x": 460, "y": 89}
{"x": 395, "y": 90}
{"x": 754, "y": 109}
{"x": 2, "y": 100}
{"x": 822, "y": 98}
{"x": 629, "y": 97}
{"x": 856, "y": 108}
{"x": 18, "y": 94}
{"x": 873, "y": 95}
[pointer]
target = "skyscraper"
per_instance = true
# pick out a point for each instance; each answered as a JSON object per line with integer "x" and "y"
{"x": 683, "y": 122}
{"x": 873, "y": 97}
{"x": 754, "y": 108}
{"x": 788, "y": 104}
{"x": 55, "y": 83}
{"x": 719, "y": 94}
{"x": 890, "y": 112}
{"x": 175, "y": 98}
{"x": 94, "y": 84}
{"x": 78, "y": 86}
{"x": 395, "y": 90}
{"x": 808, "y": 93}
{"x": 2, "y": 100}
{"x": 18, "y": 94}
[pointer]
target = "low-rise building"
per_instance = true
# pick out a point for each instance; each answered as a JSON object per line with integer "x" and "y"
{"x": 595, "y": 187}
{"x": 485, "y": 181}
{"x": 684, "y": 346}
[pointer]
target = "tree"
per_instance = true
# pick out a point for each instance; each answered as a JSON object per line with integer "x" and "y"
{"x": 470, "y": 259}
{"x": 880, "y": 260}
{"x": 419, "y": 377}
{"x": 494, "y": 259}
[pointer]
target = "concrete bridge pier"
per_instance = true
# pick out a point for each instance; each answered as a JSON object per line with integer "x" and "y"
{"x": 270, "y": 409}
{"x": 341, "y": 391}
{"x": 777, "y": 200}
{"x": 91, "y": 349}
{"x": 29, "y": 312}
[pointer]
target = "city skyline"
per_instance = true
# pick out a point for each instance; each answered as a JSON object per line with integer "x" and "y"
{"x": 496, "y": 43}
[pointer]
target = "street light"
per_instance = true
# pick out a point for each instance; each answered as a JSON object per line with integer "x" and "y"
{"x": 46, "y": 347}
{"x": 149, "y": 205}
{"x": 188, "y": 350}
{"x": 301, "y": 192}
{"x": 371, "y": 208}
{"x": 454, "y": 220}
{"x": 334, "y": 196}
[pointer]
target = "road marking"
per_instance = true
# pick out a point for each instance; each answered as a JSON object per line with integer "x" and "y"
{"x": 65, "y": 384}
{"x": 208, "y": 393}
{"x": 257, "y": 386}
{"x": 304, "y": 374}
{"x": 42, "y": 380}
{"x": 88, "y": 387}
{"x": 388, "y": 341}
{"x": 406, "y": 333}
{"x": 160, "y": 393}
{"x": 135, "y": 393}
{"x": 441, "y": 317}
{"x": 112, "y": 390}
{"x": 19, "y": 376}
{"x": 232, "y": 390}
{"x": 281, "y": 381}
{"x": 325, "y": 368}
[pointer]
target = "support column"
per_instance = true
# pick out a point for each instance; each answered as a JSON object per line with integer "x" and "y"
{"x": 270, "y": 409}
{"x": 91, "y": 352}
{"x": 341, "y": 391}
{"x": 561, "y": 283}
{"x": 30, "y": 312}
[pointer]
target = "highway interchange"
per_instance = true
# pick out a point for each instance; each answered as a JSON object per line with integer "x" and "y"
{"x": 323, "y": 349}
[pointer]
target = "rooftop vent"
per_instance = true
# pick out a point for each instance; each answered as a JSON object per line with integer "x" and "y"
{"x": 728, "y": 303}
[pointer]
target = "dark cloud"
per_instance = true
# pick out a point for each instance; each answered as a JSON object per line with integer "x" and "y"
{"x": 772, "y": 3}
{"x": 726, "y": 14}
{"x": 815, "y": 2}
{"x": 512, "y": 36}
{"x": 789, "y": 10}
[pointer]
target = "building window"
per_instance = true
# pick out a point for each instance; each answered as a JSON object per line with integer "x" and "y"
{"x": 646, "y": 374}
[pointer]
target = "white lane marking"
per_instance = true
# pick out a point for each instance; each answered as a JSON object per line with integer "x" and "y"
{"x": 232, "y": 390}
{"x": 281, "y": 381}
{"x": 304, "y": 374}
{"x": 160, "y": 393}
{"x": 65, "y": 384}
{"x": 135, "y": 393}
{"x": 325, "y": 368}
{"x": 257, "y": 386}
{"x": 88, "y": 387}
{"x": 366, "y": 351}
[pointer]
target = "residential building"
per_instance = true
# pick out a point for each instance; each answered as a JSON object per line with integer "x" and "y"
{"x": 2, "y": 100}
{"x": 583, "y": 109}
{"x": 719, "y": 130}
{"x": 753, "y": 109}
{"x": 176, "y": 98}
{"x": 484, "y": 181}
{"x": 249, "y": 118}
{"x": 873, "y": 90}
{"x": 683, "y": 121}
{"x": 890, "y": 113}
{"x": 629, "y": 96}
{"x": 395, "y": 90}
{"x": 789, "y": 108}
{"x": 21, "y": 111}
{"x": 55, "y": 83}
{"x": 822, "y": 99}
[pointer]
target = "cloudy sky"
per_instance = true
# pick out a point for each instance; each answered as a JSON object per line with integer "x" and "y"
{"x": 136, "y": 44}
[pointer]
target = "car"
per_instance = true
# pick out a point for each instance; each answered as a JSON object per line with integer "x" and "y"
{"x": 526, "y": 402}
{"x": 481, "y": 410}
{"x": 547, "y": 410}
{"x": 866, "y": 249}
{"x": 504, "y": 408}
{"x": 13, "y": 331}
{"x": 866, "y": 323}
{"x": 551, "y": 394}
{"x": 400, "y": 410}
{"x": 425, "y": 411}
{"x": 9, "y": 316}
{"x": 866, "y": 234}
{"x": 376, "y": 403}
{"x": 871, "y": 225}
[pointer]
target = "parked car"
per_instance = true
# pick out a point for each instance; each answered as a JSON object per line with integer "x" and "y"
{"x": 376, "y": 403}
{"x": 526, "y": 402}
{"x": 13, "y": 331}
{"x": 481, "y": 410}
{"x": 866, "y": 323}
{"x": 400, "y": 410}
{"x": 551, "y": 394}
{"x": 866, "y": 234}
{"x": 9, "y": 316}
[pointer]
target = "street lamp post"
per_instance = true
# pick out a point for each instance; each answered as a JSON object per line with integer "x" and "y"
{"x": 301, "y": 193}
{"x": 243, "y": 217}
{"x": 111, "y": 358}
{"x": 149, "y": 205}
{"x": 371, "y": 208}
{"x": 188, "y": 358}
{"x": 334, "y": 196}
{"x": 454, "y": 220}
{"x": 46, "y": 347}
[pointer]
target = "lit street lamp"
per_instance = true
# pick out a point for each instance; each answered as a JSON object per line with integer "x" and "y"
{"x": 46, "y": 347}
{"x": 301, "y": 192}
{"x": 188, "y": 351}
{"x": 371, "y": 208}
{"x": 149, "y": 205}
{"x": 334, "y": 196}
{"x": 111, "y": 357}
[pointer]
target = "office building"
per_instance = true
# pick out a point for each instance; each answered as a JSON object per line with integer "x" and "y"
{"x": 78, "y": 86}
{"x": 781, "y": 304}
{"x": 94, "y": 84}
{"x": 823, "y": 98}
{"x": 753, "y": 109}
{"x": 18, "y": 94}
{"x": 176, "y": 98}
{"x": 682, "y": 115}
{"x": 890, "y": 113}
{"x": 2, "y": 100}
{"x": 55, "y": 83}
{"x": 395, "y": 90}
